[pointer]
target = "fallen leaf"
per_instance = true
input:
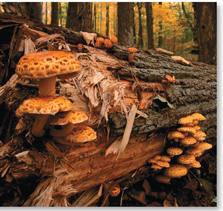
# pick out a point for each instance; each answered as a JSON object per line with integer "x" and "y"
{"x": 192, "y": 185}
{"x": 167, "y": 203}
{"x": 141, "y": 197}
{"x": 146, "y": 186}
{"x": 208, "y": 186}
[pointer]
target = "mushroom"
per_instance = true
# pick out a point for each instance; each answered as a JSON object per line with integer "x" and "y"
{"x": 163, "y": 179}
{"x": 163, "y": 163}
{"x": 204, "y": 146}
{"x": 195, "y": 164}
{"x": 185, "y": 120}
{"x": 186, "y": 159}
{"x": 46, "y": 66}
{"x": 193, "y": 152}
{"x": 176, "y": 135}
{"x": 108, "y": 43}
{"x": 100, "y": 40}
{"x": 190, "y": 130}
{"x": 115, "y": 191}
{"x": 156, "y": 167}
{"x": 172, "y": 151}
{"x": 68, "y": 121}
{"x": 43, "y": 107}
{"x": 165, "y": 158}
{"x": 78, "y": 135}
{"x": 132, "y": 51}
{"x": 113, "y": 39}
{"x": 197, "y": 116}
{"x": 188, "y": 140}
{"x": 97, "y": 44}
{"x": 175, "y": 170}
{"x": 80, "y": 47}
{"x": 199, "y": 135}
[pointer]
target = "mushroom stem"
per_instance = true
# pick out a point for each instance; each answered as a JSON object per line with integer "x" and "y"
{"x": 63, "y": 132}
{"x": 38, "y": 125}
{"x": 131, "y": 56}
{"x": 47, "y": 86}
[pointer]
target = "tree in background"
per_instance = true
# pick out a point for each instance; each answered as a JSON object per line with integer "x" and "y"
{"x": 140, "y": 37}
{"x": 207, "y": 31}
{"x": 125, "y": 23}
{"x": 54, "y": 13}
{"x": 79, "y": 16}
{"x": 149, "y": 18}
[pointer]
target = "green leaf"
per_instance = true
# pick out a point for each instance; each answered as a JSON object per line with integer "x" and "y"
{"x": 214, "y": 199}
{"x": 135, "y": 192}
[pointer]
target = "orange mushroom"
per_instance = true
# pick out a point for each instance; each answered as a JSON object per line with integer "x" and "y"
{"x": 108, "y": 43}
{"x": 131, "y": 51}
{"x": 113, "y": 39}
{"x": 186, "y": 159}
{"x": 175, "y": 170}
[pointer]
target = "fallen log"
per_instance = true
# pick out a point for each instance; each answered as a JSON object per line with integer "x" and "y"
{"x": 106, "y": 90}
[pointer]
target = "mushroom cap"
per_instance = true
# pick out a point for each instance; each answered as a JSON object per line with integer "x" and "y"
{"x": 204, "y": 146}
{"x": 47, "y": 64}
{"x": 197, "y": 116}
{"x": 114, "y": 39}
{"x": 192, "y": 151}
{"x": 199, "y": 135}
{"x": 115, "y": 191}
{"x": 163, "y": 179}
{"x": 100, "y": 40}
{"x": 73, "y": 117}
{"x": 186, "y": 159}
{"x": 78, "y": 135}
{"x": 157, "y": 157}
{"x": 108, "y": 43}
{"x": 195, "y": 164}
{"x": 175, "y": 170}
{"x": 185, "y": 120}
{"x": 196, "y": 127}
{"x": 188, "y": 140}
{"x": 174, "y": 151}
{"x": 132, "y": 50}
{"x": 165, "y": 158}
{"x": 175, "y": 134}
{"x": 186, "y": 129}
{"x": 44, "y": 105}
{"x": 156, "y": 167}
{"x": 80, "y": 46}
{"x": 162, "y": 163}
{"x": 98, "y": 44}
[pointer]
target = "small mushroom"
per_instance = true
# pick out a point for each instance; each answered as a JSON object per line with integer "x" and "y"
{"x": 165, "y": 158}
{"x": 156, "y": 167}
{"x": 190, "y": 130}
{"x": 172, "y": 151}
{"x": 108, "y": 43}
{"x": 175, "y": 135}
{"x": 193, "y": 151}
{"x": 195, "y": 164}
{"x": 204, "y": 146}
{"x": 157, "y": 157}
{"x": 113, "y": 39}
{"x": 100, "y": 40}
{"x": 46, "y": 66}
{"x": 78, "y": 135}
{"x": 199, "y": 135}
{"x": 163, "y": 163}
{"x": 163, "y": 179}
{"x": 80, "y": 47}
{"x": 115, "y": 191}
{"x": 186, "y": 159}
{"x": 197, "y": 116}
{"x": 131, "y": 51}
{"x": 175, "y": 171}
{"x": 68, "y": 120}
{"x": 97, "y": 44}
{"x": 43, "y": 107}
{"x": 185, "y": 120}
{"x": 188, "y": 140}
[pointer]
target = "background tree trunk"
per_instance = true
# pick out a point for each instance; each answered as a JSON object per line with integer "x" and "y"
{"x": 207, "y": 31}
{"x": 54, "y": 13}
{"x": 125, "y": 24}
{"x": 140, "y": 38}
{"x": 79, "y": 16}
{"x": 107, "y": 20}
{"x": 149, "y": 18}
{"x": 160, "y": 38}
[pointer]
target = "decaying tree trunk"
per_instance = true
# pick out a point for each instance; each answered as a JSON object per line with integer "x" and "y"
{"x": 40, "y": 171}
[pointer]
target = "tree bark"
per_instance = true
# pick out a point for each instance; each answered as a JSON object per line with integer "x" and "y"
{"x": 54, "y": 13}
{"x": 125, "y": 24}
{"x": 107, "y": 20}
{"x": 207, "y": 31}
{"x": 79, "y": 16}
{"x": 140, "y": 38}
{"x": 149, "y": 18}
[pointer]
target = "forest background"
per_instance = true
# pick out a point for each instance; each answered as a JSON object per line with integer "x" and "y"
{"x": 186, "y": 28}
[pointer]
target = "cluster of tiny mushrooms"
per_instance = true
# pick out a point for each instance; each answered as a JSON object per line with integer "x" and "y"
{"x": 190, "y": 143}
{"x": 52, "y": 112}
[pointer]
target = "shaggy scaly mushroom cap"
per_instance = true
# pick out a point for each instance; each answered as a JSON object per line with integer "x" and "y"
{"x": 68, "y": 120}
{"x": 175, "y": 170}
{"x": 188, "y": 140}
{"x": 43, "y": 107}
{"x": 172, "y": 151}
{"x": 176, "y": 135}
{"x": 186, "y": 159}
{"x": 78, "y": 135}
{"x": 46, "y": 66}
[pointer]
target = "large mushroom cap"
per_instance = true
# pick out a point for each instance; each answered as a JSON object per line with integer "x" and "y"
{"x": 78, "y": 135}
{"x": 197, "y": 116}
{"x": 204, "y": 146}
{"x": 108, "y": 43}
{"x": 73, "y": 117}
{"x": 132, "y": 49}
{"x": 172, "y": 151}
{"x": 175, "y": 170}
{"x": 48, "y": 64}
{"x": 188, "y": 140}
{"x": 44, "y": 105}
{"x": 163, "y": 179}
{"x": 186, "y": 159}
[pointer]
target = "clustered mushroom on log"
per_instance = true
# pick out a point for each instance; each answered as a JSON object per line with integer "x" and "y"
{"x": 186, "y": 147}
{"x": 46, "y": 66}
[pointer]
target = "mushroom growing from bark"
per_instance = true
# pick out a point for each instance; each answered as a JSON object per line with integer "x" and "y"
{"x": 175, "y": 170}
{"x": 131, "y": 51}
{"x": 100, "y": 40}
{"x": 46, "y": 66}
{"x": 78, "y": 135}
{"x": 113, "y": 39}
{"x": 43, "y": 107}
{"x": 176, "y": 135}
{"x": 188, "y": 140}
{"x": 186, "y": 159}
{"x": 172, "y": 151}
{"x": 108, "y": 43}
{"x": 68, "y": 121}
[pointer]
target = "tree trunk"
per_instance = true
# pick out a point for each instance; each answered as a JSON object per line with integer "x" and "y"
{"x": 160, "y": 37}
{"x": 134, "y": 27}
{"x": 46, "y": 13}
{"x": 207, "y": 31}
{"x": 79, "y": 16}
{"x": 140, "y": 38}
{"x": 54, "y": 13}
{"x": 149, "y": 18}
{"x": 107, "y": 20}
{"x": 125, "y": 24}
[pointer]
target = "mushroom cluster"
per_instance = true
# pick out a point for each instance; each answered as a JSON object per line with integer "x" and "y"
{"x": 54, "y": 113}
{"x": 106, "y": 43}
{"x": 188, "y": 144}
